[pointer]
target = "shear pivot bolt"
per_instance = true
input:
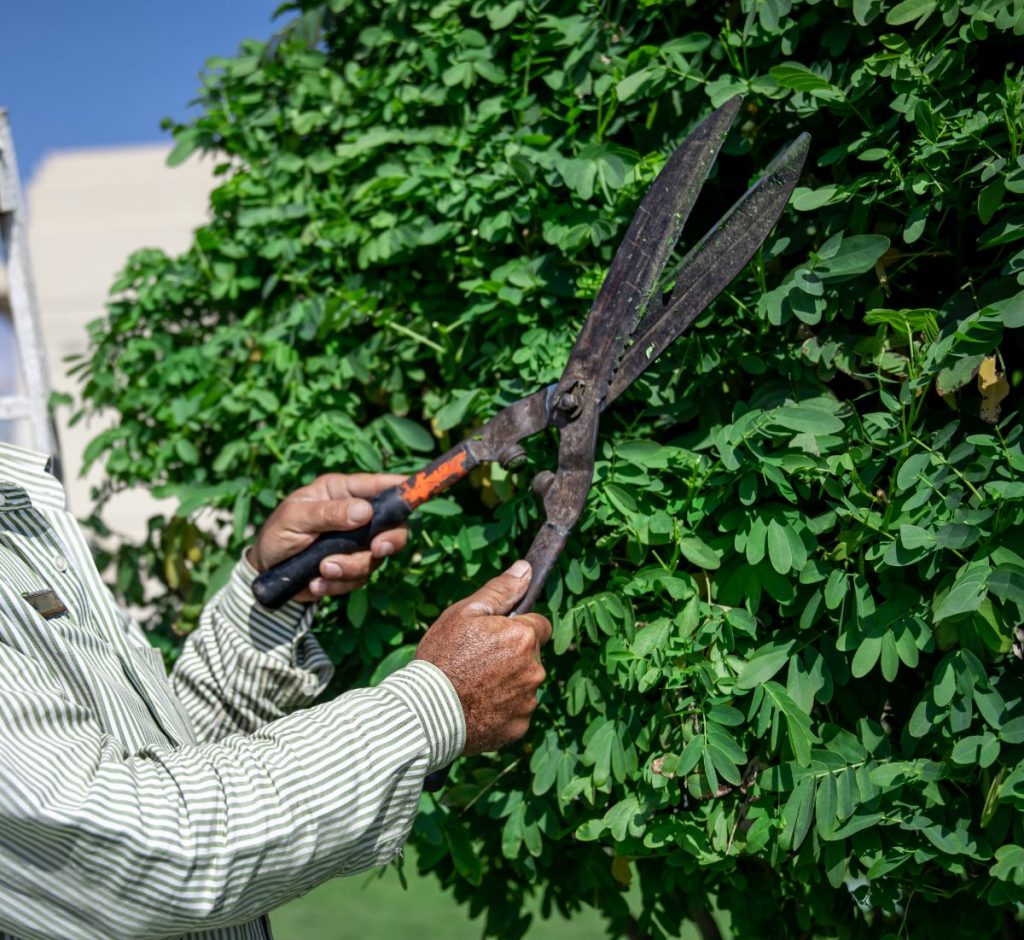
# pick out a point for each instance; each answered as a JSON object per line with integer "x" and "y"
{"x": 570, "y": 404}
{"x": 542, "y": 483}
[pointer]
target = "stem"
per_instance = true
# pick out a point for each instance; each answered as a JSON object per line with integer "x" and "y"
{"x": 963, "y": 479}
{"x": 487, "y": 786}
{"x": 412, "y": 334}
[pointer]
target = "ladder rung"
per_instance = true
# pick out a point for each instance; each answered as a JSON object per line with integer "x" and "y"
{"x": 15, "y": 406}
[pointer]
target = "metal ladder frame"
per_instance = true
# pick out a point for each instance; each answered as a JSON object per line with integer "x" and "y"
{"x": 31, "y": 352}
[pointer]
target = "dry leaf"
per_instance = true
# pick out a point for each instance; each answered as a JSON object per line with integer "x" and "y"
{"x": 657, "y": 767}
{"x": 993, "y": 388}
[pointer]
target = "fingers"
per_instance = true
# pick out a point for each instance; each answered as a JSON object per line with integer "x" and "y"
{"x": 331, "y": 503}
{"x": 303, "y": 514}
{"x": 332, "y": 587}
{"x": 500, "y": 595}
{"x": 541, "y": 627}
{"x": 346, "y": 485}
{"x": 389, "y": 543}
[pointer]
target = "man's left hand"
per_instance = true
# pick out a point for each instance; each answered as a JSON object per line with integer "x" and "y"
{"x": 334, "y": 502}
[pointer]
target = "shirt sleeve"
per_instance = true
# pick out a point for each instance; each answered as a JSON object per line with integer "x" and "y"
{"x": 245, "y": 664}
{"x": 99, "y": 843}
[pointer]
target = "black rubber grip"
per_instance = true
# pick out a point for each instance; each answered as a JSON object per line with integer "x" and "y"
{"x": 282, "y": 582}
{"x": 435, "y": 780}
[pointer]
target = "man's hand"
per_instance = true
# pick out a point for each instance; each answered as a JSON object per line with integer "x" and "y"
{"x": 335, "y": 502}
{"x": 492, "y": 660}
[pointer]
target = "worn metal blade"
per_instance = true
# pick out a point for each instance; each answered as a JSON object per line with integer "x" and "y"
{"x": 713, "y": 263}
{"x": 636, "y": 269}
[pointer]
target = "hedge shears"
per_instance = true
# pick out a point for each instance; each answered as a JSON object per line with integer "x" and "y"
{"x": 632, "y": 321}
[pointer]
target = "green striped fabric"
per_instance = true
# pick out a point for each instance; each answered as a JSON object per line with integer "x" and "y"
{"x": 137, "y": 805}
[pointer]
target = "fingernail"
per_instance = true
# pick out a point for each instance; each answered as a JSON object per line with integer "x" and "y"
{"x": 520, "y": 569}
{"x": 359, "y": 512}
{"x": 318, "y": 586}
{"x": 331, "y": 570}
{"x": 385, "y": 549}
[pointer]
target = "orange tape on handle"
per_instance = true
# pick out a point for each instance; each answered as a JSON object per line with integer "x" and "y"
{"x": 436, "y": 478}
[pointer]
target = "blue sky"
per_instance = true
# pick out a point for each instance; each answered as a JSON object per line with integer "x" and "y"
{"x": 87, "y": 73}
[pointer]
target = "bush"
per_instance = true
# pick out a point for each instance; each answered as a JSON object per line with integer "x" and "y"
{"x": 784, "y": 673}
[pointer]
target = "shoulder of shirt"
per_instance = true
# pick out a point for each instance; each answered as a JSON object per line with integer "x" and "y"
{"x": 29, "y": 470}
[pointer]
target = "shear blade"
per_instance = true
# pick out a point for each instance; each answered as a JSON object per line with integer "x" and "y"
{"x": 637, "y": 266}
{"x": 713, "y": 263}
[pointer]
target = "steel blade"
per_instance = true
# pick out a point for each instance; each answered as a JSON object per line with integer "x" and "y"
{"x": 714, "y": 262}
{"x": 636, "y": 269}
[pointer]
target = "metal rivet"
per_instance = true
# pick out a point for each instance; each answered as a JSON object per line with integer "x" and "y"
{"x": 512, "y": 457}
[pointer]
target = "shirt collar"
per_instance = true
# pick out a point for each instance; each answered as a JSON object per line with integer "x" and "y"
{"x": 28, "y": 469}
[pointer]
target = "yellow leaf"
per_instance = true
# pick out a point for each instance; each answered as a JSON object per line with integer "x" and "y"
{"x": 480, "y": 477}
{"x": 622, "y": 872}
{"x": 993, "y": 387}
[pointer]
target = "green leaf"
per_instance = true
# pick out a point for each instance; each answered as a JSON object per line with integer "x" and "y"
{"x": 512, "y": 831}
{"x": 890, "y": 658}
{"x": 966, "y": 594}
{"x": 620, "y": 499}
{"x": 944, "y": 683}
{"x": 356, "y": 608}
{"x": 698, "y": 553}
{"x": 185, "y": 144}
{"x": 725, "y": 715}
{"x": 989, "y": 200}
{"x": 1007, "y": 583}
{"x": 691, "y": 755}
{"x": 808, "y": 200}
{"x": 866, "y": 656}
{"x": 756, "y": 540}
{"x": 409, "y": 433}
{"x": 806, "y": 420}
{"x": 911, "y": 470}
{"x": 779, "y": 552}
{"x": 464, "y": 856}
{"x": 798, "y": 814}
{"x": 800, "y": 78}
{"x": 857, "y": 254}
{"x": 958, "y": 374}
{"x": 798, "y": 726}
{"x": 186, "y": 450}
{"x": 910, "y": 10}
{"x": 913, "y": 536}
{"x": 631, "y": 84}
{"x": 763, "y": 666}
{"x": 836, "y": 588}
{"x": 825, "y": 806}
{"x": 598, "y": 753}
{"x": 394, "y": 661}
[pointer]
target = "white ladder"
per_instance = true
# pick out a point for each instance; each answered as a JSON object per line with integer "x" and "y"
{"x": 33, "y": 405}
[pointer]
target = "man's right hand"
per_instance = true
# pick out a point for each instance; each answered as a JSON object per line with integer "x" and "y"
{"x": 493, "y": 660}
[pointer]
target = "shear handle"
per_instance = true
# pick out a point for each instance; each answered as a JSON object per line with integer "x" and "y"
{"x": 390, "y": 508}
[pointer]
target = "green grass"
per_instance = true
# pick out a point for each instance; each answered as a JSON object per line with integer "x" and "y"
{"x": 377, "y": 906}
{"x": 372, "y": 907}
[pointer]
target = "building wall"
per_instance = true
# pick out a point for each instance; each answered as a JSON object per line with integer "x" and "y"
{"x": 87, "y": 211}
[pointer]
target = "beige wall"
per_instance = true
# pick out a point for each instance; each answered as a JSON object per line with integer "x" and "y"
{"x": 87, "y": 211}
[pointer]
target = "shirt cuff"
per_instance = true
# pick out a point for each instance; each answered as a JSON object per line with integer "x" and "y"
{"x": 430, "y": 695}
{"x": 278, "y": 631}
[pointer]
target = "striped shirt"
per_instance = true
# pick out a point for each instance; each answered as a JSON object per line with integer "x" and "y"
{"x": 137, "y": 805}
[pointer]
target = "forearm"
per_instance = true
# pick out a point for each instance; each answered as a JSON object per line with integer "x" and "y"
{"x": 161, "y": 843}
{"x": 245, "y": 665}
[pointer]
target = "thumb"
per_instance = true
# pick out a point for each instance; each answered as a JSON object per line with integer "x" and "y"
{"x": 500, "y": 595}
